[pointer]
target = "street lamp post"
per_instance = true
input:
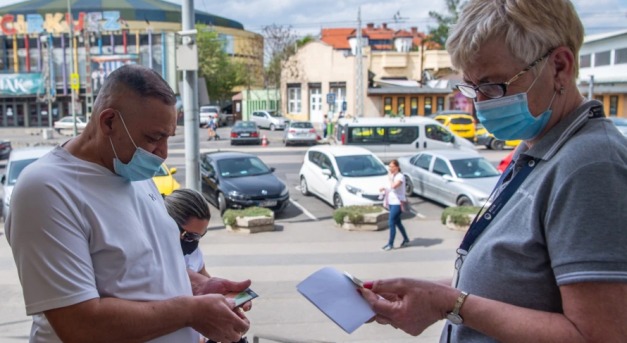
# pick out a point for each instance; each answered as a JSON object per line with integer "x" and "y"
{"x": 71, "y": 26}
{"x": 48, "y": 80}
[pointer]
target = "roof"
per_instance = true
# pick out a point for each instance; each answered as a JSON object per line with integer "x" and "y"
{"x": 602, "y": 36}
{"x": 408, "y": 90}
{"x": 337, "y": 38}
{"x": 341, "y": 150}
{"x": 151, "y": 10}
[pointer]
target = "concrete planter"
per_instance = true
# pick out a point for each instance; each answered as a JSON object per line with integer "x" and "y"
{"x": 252, "y": 224}
{"x": 454, "y": 226}
{"x": 371, "y": 222}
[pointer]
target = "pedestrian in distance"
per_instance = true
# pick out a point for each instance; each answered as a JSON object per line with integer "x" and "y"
{"x": 325, "y": 122}
{"x": 545, "y": 261}
{"x": 190, "y": 211}
{"x": 394, "y": 199}
{"x": 101, "y": 261}
{"x": 212, "y": 128}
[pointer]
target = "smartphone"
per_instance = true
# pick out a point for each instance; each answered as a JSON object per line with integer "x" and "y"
{"x": 354, "y": 280}
{"x": 244, "y": 297}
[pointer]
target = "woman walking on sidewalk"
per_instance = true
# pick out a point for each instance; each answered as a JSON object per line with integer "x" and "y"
{"x": 394, "y": 199}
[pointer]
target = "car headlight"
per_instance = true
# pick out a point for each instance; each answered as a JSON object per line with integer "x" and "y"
{"x": 237, "y": 195}
{"x": 353, "y": 190}
{"x": 284, "y": 191}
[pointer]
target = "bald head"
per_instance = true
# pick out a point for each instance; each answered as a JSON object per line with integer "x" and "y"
{"x": 142, "y": 81}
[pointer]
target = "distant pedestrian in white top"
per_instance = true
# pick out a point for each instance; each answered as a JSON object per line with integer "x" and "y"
{"x": 394, "y": 198}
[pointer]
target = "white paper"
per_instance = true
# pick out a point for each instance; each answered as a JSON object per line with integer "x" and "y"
{"x": 337, "y": 297}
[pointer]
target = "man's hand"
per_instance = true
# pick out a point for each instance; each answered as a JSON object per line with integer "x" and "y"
{"x": 215, "y": 317}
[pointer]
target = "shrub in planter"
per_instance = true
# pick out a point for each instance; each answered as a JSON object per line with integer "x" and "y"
{"x": 250, "y": 220}
{"x": 459, "y": 217}
{"x": 371, "y": 218}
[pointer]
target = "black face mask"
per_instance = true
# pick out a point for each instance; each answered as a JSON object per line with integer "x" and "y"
{"x": 189, "y": 247}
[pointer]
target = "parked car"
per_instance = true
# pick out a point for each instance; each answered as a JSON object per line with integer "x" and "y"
{"x": 452, "y": 178}
{"x": 461, "y": 123}
{"x": 269, "y": 119}
{"x": 245, "y": 132}
{"x": 5, "y": 149}
{"x": 391, "y": 138}
{"x": 208, "y": 112}
{"x": 67, "y": 123}
{"x": 240, "y": 180}
{"x": 300, "y": 132}
{"x": 621, "y": 124}
{"x": 19, "y": 159}
{"x": 505, "y": 162}
{"x": 343, "y": 175}
{"x": 483, "y": 137}
{"x": 165, "y": 182}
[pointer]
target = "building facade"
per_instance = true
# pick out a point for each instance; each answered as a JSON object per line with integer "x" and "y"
{"x": 46, "y": 52}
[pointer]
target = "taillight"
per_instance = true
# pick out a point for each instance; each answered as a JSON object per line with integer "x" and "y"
{"x": 233, "y": 135}
{"x": 254, "y": 134}
{"x": 312, "y": 130}
{"x": 292, "y": 131}
{"x": 343, "y": 138}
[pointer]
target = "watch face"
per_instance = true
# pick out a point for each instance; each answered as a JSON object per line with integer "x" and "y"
{"x": 454, "y": 318}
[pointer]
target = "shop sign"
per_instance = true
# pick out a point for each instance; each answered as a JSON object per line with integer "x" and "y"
{"x": 21, "y": 84}
{"x": 11, "y": 24}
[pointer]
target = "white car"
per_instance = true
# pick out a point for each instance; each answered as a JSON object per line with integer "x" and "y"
{"x": 450, "y": 177}
{"x": 67, "y": 123}
{"x": 19, "y": 159}
{"x": 269, "y": 119}
{"x": 343, "y": 175}
{"x": 300, "y": 132}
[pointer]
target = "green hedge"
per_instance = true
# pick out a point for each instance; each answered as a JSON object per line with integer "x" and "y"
{"x": 230, "y": 215}
{"x": 354, "y": 213}
{"x": 459, "y": 214}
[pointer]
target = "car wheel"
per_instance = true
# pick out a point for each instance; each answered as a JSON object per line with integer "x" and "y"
{"x": 221, "y": 203}
{"x": 272, "y": 128}
{"x": 337, "y": 201}
{"x": 464, "y": 201}
{"x": 497, "y": 144}
{"x": 303, "y": 186}
{"x": 409, "y": 187}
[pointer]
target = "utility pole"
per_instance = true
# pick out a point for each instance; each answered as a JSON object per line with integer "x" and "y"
{"x": 359, "y": 75}
{"x": 46, "y": 42}
{"x": 591, "y": 88}
{"x": 73, "y": 74}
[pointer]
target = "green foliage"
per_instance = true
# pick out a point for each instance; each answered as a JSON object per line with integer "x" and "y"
{"x": 459, "y": 214}
{"x": 355, "y": 213}
{"x": 439, "y": 34}
{"x": 214, "y": 64}
{"x": 230, "y": 215}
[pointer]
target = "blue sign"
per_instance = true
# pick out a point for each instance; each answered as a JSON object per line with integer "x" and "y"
{"x": 330, "y": 98}
{"x": 344, "y": 106}
{"x": 21, "y": 84}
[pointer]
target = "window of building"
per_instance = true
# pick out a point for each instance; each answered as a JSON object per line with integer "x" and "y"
{"x": 387, "y": 105}
{"x": 339, "y": 88}
{"x": 584, "y": 61}
{"x": 613, "y": 105}
{"x": 428, "y": 105}
{"x": 400, "y": 106}
{"x": 293, "y": 99}
{"x": 440, "y": 104}
{"x": 413, "y": 107}
{"x": 602, "y": 58}
{"x": 620, "y": 56}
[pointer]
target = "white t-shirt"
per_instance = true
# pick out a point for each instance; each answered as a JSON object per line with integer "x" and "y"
{"x": 396, "y": 195}
{"x": 194, "y": 261}
{"x": 79, "y": 232}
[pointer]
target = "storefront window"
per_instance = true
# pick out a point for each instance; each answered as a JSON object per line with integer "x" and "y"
{"x": 413, "y": 107}
{"x": 387, "y": 105}
{"x": 428, "y": 105}
{"x": 613, "y": 105}
{"x": 400, "y": 110}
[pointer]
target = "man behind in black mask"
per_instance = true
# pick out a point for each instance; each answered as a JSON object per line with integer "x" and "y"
{"x": 191, "y": 213}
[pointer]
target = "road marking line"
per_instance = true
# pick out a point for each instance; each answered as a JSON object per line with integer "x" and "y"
{"x": 307, "y": 213}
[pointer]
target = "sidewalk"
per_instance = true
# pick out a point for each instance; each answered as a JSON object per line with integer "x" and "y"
{"x": 277, "y": 261}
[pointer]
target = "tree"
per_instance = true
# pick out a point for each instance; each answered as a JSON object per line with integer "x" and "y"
{"x": 439, "y": 34}
{"x": 279, "y": 46}
{"x": 214, "y": 64}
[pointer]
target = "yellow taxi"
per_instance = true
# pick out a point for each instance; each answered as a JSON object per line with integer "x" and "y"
{"x": 461, "y": 123}
{"x": 164, "y": 181}
{"x": 483, "y": 137}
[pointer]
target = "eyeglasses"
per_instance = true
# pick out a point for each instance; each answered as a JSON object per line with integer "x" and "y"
{"x": 496, "y": 90}
{"x": 191, "y": 236}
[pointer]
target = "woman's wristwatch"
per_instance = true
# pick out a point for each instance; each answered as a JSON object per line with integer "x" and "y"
{"x": 454, "y": 316}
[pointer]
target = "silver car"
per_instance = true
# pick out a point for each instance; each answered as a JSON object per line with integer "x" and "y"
{"x": 67, "y": 123}
{"x": 269, "y": 119}
{"x": 450, "y": 177}
{"x": 300, "y": 132}
{"x": 19, "y": 159}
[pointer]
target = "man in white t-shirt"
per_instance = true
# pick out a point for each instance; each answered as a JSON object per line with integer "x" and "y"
{"x": 100, "y": 259}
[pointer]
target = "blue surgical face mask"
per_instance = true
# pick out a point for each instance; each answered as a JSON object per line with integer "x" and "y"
{"x": 509, "y": 118}
{"x": 142, "y": 166}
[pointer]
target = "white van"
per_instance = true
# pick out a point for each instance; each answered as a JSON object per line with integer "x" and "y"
{"x": 391, "y": 138}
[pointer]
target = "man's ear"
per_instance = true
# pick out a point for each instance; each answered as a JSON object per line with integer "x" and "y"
{"x": 105, "y": 119}
{"x": 564, "y": 64}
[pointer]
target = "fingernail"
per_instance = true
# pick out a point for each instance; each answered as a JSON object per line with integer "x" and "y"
{"x": 368, "y": 284}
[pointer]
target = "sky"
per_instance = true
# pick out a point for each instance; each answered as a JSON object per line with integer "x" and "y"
{"x": 309, "y": 16}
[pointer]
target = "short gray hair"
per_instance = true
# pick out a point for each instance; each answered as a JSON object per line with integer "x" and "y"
{"x": 529, "y": 28}
{"x": 184, "y": 204}
{"x": 144, "y": 81}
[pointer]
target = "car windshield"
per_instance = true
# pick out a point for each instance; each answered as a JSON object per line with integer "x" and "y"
{"x": 274, "y": 114}
{"x": 245, "y": 125}
{"x": 242, "y": 166}
{"x": 162, "y": 171}
{"x": 360, "y": 165}
{"x": 16, "y": 169}
{"x": 471, "y": 168}
{"x": 301, "y": 125}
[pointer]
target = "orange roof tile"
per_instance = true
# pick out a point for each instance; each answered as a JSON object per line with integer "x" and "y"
{"x": 337, "y": 38}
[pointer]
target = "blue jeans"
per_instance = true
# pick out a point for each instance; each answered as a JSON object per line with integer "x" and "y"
{"x": 394, "y": 221}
